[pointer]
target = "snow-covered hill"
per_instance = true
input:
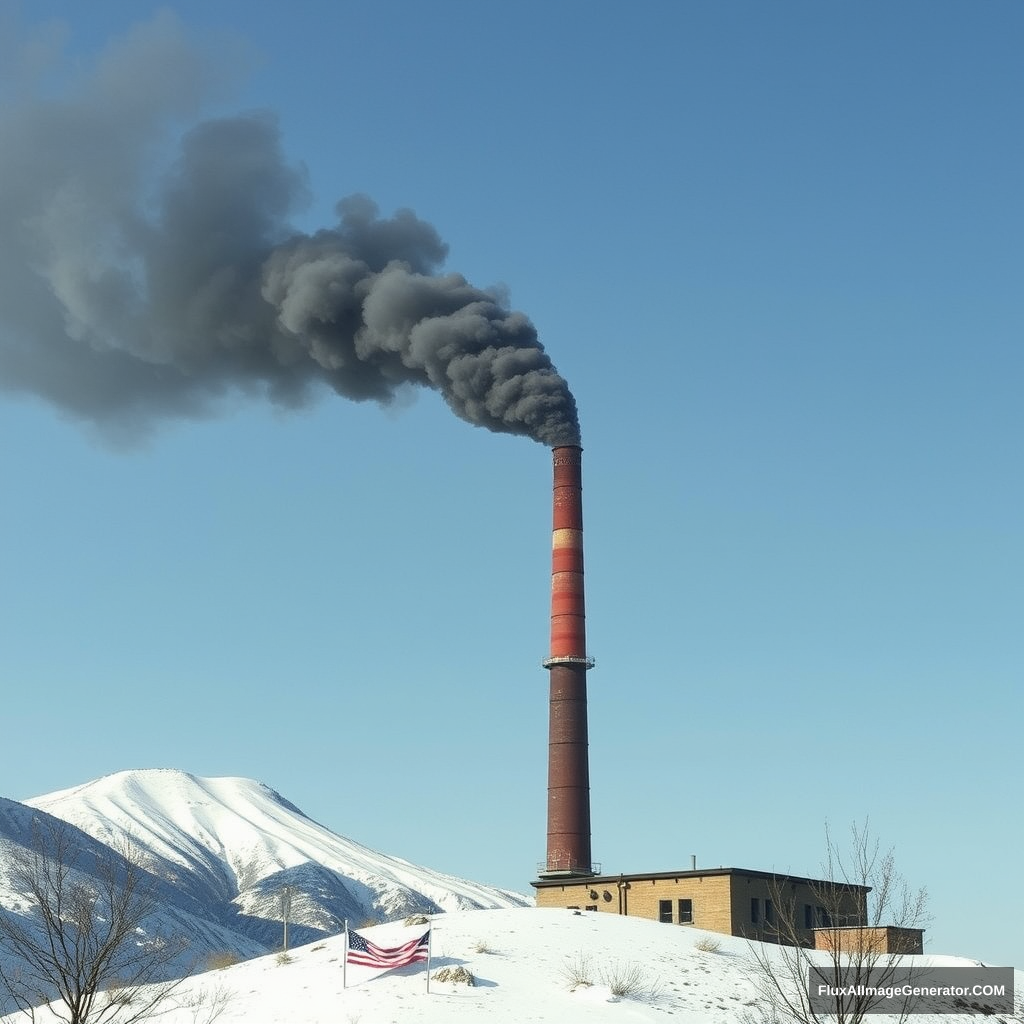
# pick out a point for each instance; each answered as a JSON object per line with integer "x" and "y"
{"x": 227, "y": 848}
{"x": 521, "y": 961}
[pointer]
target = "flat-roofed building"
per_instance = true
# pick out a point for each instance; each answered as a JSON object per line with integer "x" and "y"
{"x": 733, "y": 901}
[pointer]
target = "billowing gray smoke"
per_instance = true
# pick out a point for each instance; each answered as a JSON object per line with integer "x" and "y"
{"x": 123, "y": 304}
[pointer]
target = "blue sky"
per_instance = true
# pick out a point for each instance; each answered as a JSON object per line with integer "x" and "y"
{"x": 776, "y": 250}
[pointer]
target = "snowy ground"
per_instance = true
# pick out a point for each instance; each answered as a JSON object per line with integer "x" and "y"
{"x": 518, "y": 958}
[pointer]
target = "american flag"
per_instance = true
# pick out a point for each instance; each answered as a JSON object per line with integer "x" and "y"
{"x": 365, "y": 953}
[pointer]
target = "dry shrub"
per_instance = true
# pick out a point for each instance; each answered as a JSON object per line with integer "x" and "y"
{"x": 624, "y": 979}
{"x": 218, "y": 961}
{"x": 621, "y": 979}
{"x": 578, "y": 971}
{"x": 206, "y": 1004}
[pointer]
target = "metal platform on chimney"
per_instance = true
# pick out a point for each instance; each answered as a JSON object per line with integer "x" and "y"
{"x": 586, "y": 662}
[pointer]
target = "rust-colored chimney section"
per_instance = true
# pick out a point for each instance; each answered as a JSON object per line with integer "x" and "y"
{"x": 568, "y": 765}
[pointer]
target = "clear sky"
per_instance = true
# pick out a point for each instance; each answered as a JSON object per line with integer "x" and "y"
{"x": 776, "y": 251}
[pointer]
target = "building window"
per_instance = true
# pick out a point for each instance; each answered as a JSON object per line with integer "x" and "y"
{"x": 665, "y": 911}
{"x": 686, "y": 911}
{"x": 824, "y": 919}
{"x": 593, "y": 906}
{"x": 755, "y": 910}
{"x": 769, "y": 912}
{"x": 808, "y": 916}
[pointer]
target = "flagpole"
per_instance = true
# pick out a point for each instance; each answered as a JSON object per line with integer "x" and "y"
{"x": 344, "y": 962}
{"x": 430, "y": 936}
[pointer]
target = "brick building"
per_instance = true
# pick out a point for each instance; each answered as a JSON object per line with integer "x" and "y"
{"x": 733, "y": 901}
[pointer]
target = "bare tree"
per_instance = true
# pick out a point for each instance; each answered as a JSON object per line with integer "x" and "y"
{"x": 864, "y": 921}
{"x": 81, "y": 950}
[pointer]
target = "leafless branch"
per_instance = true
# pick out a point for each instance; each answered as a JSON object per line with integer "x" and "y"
{"x": 861, "y": 892}
{"x": 83, "y": 951}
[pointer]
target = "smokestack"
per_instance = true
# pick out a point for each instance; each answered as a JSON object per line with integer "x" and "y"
{"x": 568, "y": 853}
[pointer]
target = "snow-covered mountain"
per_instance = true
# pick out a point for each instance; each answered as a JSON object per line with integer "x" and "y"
{"x": 227, "y": 848}
{"x": 208, "y": 929}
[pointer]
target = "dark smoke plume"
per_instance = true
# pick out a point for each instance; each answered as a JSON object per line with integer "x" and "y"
{"x": 122, "y": 304}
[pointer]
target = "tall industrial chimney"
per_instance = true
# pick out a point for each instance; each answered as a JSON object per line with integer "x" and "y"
{"x": 568, "y": 765}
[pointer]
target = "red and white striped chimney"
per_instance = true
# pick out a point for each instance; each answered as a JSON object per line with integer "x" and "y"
{"x": 568, "y": 852}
